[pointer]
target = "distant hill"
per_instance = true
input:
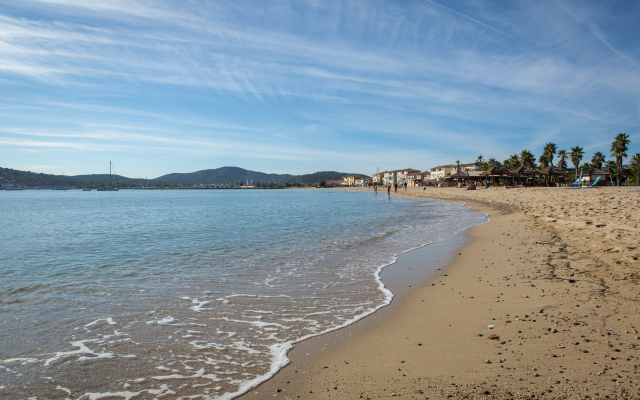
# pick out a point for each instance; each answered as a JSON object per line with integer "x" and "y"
{"x": 103, "y": 179}
{"x": 223, "y": 175}
{"x": 218, "y": 175}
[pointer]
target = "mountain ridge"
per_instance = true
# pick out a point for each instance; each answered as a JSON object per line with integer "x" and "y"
{"x": 208, "y": 176}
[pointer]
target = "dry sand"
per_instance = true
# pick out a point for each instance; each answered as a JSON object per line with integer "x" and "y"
{"x": 555, "y": 272}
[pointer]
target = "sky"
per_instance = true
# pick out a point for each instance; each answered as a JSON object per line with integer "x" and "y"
{"x": 302, "y": 86}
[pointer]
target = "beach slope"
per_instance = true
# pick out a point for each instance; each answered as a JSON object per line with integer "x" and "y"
{"x": 542, "y": 303}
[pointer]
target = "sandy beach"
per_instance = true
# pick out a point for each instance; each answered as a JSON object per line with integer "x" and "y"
{"x": 542, "y": 303}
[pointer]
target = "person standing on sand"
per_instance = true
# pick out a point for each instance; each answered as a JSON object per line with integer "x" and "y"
{"x": 405, "y": 186}
{"x": 395, "y": 187}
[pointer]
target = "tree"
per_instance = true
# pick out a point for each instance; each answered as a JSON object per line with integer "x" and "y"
{"x": 543, "y": 160}
{"x": 514, "y": 161}
{"x": 480, "y": 159}
{"x": 549, "y": 151}
{"x": 527, "y": 158}
{"x": 575, "y": 155}
{"x": 619, "y": 151}
{"x": 563, "y": 162}
{"x": 635, "y": 164}
{"x": 492, "y": 161}
{"x": 610, "y": 166}
{"x": 458, "y": 165}
{"x": 597, "y": 160}
{"x": 322, "y": 183}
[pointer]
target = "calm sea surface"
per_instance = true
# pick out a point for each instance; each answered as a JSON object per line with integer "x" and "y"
{"x": 189, "y": 294}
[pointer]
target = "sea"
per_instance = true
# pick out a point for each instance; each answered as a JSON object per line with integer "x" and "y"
{"x": 189, "y": 294}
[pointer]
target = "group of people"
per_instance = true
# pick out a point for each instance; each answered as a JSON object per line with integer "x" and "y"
{"x": 395, "y": 187}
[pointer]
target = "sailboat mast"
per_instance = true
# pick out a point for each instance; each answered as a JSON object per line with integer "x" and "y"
{"x": 109, "y": 172}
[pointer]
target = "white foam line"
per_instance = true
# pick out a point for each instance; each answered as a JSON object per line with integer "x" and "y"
{"x": 279, "y": 351}
{"x": 163, "y": 391}
{"x": 63, "y": 389}
{"x": 109, "y": 320}
{"x": 259, "y": 324}
{"x": 23, "y": 360}
{"x": 163, "y": 321}
{"x": 199, "y": 374}
{"x": 82, "y": 349}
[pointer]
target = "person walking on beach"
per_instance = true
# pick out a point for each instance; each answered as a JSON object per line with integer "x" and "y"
{"x": 395, "y": 187}
{"x": 388, "y": 189}
{"x": 405, "y": 186}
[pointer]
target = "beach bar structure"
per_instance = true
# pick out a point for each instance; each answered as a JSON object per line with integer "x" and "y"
{"x": 550, "y": 171}
{"x": 524, "y": 173}
{"x": 496, "y": 170}
{"x": 590, "y": 175}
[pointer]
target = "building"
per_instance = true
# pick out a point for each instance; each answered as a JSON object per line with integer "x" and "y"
{"x": 350, "y": 180}
{"x": 443, "y": 171}
{"x": 362, "y": 182}
{"x": 334, "y": 182}
{"x": 390, "y": 178}
{"x": 418, "y": 178}
{"x": 590, "y": 175}
{"x": 378, "y": 178}
{"x": 403, "y": 175}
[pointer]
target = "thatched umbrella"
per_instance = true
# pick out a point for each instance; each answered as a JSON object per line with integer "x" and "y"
{"x": 496, "y": 170}
{"x": 459, "y": 175}
{"x": 550, "y": 171}
{"x": 524, "y": 171}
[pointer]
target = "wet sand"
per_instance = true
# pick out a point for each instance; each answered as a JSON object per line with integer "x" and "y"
{"x": 542, "y": 303}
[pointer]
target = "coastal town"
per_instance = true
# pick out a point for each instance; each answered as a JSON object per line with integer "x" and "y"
{"x": 518, "y": 170}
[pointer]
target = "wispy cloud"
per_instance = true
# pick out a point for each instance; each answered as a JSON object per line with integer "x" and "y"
{"x": 250, "y": 79}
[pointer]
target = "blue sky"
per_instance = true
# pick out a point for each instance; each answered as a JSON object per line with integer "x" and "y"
{"x": 301, "y": 86}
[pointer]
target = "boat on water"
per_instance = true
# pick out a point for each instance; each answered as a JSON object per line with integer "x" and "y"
{"x": 110, "y": 188}
{"x": 86, "y": 190}
{"x": 62, "y": 188}
{"x": 13, "y": 189}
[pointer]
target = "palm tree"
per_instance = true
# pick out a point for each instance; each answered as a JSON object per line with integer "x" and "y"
{"x": 511, "y": 162}
{"x": 527, "y": 158}
{"x": 586, "y": 166}
{"x": 635, "y": 163}
{"x": 610, "y": 166}
{"x": 458, "y": 165}
{"x": 543, "y": 160}
{"x": 575, "y": 155}
{"x": 514, "y": 161}
{"x": 619, "y": 151}
{"x": 492, "y": 161}
{"x": 563, "y": 162}
{"x": 597, "y": 160}
{"x": 549, "y": 151}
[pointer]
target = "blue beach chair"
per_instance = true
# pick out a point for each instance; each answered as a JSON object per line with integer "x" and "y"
{"x": 579, "y": 180}
{"x": 589, "y": 186}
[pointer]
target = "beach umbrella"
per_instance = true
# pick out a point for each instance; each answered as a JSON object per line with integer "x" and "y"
{"x": 524, "y": 171}
{"x": 550, "y": 171}
{"x": 496, "y": 170}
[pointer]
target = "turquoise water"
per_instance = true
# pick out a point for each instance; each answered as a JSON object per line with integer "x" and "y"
{"x": 189, "y": 293}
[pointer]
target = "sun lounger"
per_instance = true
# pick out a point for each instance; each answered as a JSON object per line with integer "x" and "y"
{"x": 592, "y": 185}
{"x": 579, "y": 180}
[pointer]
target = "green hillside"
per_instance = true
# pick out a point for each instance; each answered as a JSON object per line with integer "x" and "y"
{"x": 222, "y": 175}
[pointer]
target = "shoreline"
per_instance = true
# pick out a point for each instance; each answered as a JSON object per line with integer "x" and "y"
{"x": 541, "y": 272}
{"x": 408, "y": 272}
